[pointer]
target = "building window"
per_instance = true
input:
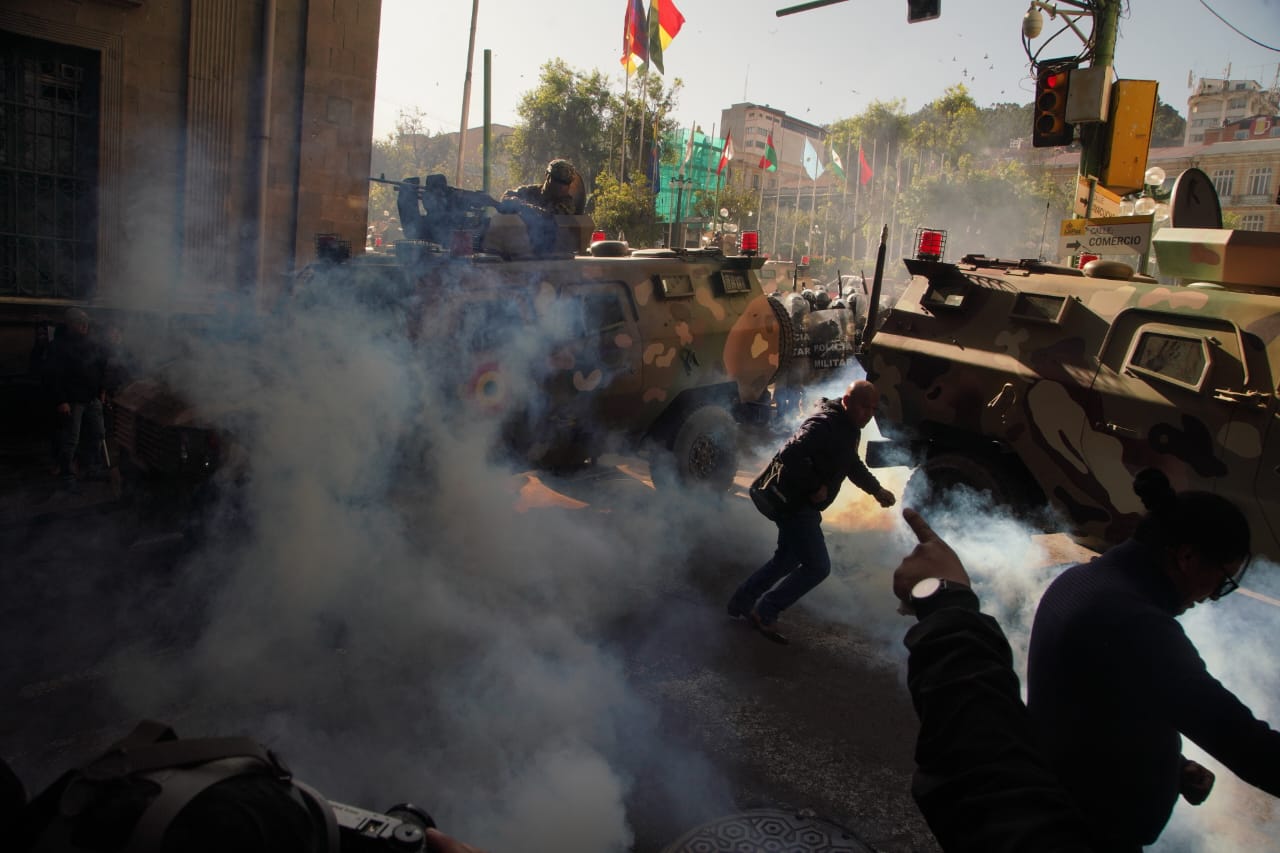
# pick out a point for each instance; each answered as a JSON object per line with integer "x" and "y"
{"x": 48, "y": 168}
{"x": 1237, "y": 103}
{"x": 1259, "y": 181}
{"x": 1223, "y": 181}
{"x": 1251, "y": 222}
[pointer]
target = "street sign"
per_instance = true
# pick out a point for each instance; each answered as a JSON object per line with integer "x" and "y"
{"x": 1116, "y": 235}
{"x": 1105, "y": 202}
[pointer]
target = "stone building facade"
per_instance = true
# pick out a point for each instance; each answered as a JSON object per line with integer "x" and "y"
{"x": 164, "y": 155}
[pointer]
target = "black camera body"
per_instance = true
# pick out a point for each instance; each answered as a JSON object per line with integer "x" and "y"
{"x": 401, "y": 828}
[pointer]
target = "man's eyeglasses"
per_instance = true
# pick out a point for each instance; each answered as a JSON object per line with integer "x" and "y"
{"x": 1230, "y": 583}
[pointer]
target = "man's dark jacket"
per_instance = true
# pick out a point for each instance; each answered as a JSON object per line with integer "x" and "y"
{"x": 1111, "y": 681}
{"x": 77, "y": 368}
{"x": 824, "y": 451}
{"x": 981, "y": 781}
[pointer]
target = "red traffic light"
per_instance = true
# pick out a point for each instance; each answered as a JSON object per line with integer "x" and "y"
{"x": 1049, "y": 127}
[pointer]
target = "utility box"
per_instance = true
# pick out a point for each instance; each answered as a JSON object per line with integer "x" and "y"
{"x": 1128, "y": 134}
{"x": 1089, "y": 96}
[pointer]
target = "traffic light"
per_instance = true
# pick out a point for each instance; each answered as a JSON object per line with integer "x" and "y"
{"x": 1049, "y": 125}
{"x": 923, "y": 10}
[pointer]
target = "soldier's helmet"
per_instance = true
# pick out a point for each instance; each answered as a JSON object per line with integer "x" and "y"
{"x": 560, "y": 171}
{"x": 563, "y": 181}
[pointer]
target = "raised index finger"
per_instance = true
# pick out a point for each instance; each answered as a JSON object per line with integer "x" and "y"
{"x": 920, "y": 527}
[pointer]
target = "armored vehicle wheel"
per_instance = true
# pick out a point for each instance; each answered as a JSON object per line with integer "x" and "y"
{"x": 786, "y": 334}
{"x": 704, "y": 453}
{"x": 944, "y": 473}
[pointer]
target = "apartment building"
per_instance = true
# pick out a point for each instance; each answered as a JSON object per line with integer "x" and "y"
{"x": 751, "y": 125}
{"x": 1219, "y": 102}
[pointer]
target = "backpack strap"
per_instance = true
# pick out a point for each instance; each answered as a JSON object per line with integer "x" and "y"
{"x": 320, "y": 806}
{"x": 123, "y": 759}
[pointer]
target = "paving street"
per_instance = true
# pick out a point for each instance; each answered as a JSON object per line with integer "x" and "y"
{"x": 100, "y": 595}
{"x": 538, "y": 687}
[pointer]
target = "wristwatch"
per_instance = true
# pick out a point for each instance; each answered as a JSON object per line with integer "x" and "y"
{"x": 929, "y": 587}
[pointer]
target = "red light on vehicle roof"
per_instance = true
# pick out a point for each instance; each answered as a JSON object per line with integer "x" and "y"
{"x": 930, "y": 245}
{"x": 597, "y": 236}
{"x": 750, "y": 242}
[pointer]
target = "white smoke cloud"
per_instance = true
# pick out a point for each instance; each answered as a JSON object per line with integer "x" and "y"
{"x": 380, "y": 611}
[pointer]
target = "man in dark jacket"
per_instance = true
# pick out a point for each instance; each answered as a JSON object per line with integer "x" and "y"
{"x": 815, "y": 462}
{"x": 1113, "y": 682}
{"x": 77, "y": 371}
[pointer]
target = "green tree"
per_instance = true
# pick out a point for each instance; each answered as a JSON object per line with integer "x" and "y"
{"x": 1000, "y": 124}
{"x": 625, "y": 209}
{"x": 410, "y": 150}
{"x": 565, "y": 115}
{"x": 577, "y": 116}
{"x": 736, "y": 200}
{"x": 1168, "y": 128}
{"x": 946, "y": 127}
{"x": 647, "y": 118}
{"x": 999, "y": 209}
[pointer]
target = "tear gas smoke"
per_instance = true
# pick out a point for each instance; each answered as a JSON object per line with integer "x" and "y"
{"x": 378, "y": 610}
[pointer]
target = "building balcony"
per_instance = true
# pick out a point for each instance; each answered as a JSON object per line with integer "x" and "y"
{"x": 1247, "y": 201}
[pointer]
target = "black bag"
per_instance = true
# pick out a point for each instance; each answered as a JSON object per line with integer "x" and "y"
{"x": 766, "y": 492}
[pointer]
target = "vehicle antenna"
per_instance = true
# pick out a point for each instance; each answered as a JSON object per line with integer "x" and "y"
{"x": 1043, "y": 228}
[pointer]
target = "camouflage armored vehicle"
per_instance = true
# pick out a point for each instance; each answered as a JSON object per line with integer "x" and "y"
{"x": 573, "y": 347}
{"x": 1047, "y": 385}
{"x": 580, "y": 347}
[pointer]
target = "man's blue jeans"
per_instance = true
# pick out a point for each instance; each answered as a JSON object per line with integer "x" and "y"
{"x": 84, "y": 420}
{"x": 798, "y": 565}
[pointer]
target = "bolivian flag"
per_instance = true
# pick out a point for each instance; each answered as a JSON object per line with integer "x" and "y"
{"x": 665, "y": 21}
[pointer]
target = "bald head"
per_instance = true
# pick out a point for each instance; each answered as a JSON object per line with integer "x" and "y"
{"x": 860, "y": 401}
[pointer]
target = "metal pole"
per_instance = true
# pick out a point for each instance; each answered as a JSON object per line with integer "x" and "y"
{"x": 1093, "y": 136}
{"x": 488, "y": 116}
{"x": 466, "y": 93}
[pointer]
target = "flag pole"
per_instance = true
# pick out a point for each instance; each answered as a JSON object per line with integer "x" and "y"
{"x": 644, "y": 99}
{"x": 813, "y": 206}
{"x": 795, "y": 220}
{"x": 857, "y": 191}
{"x": 626, "y": 108}
{"x": 777, "y": 197}
{"x": 466, "y": 94}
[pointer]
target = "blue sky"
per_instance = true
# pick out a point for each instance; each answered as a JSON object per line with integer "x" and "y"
{"x": 819, "y": 65}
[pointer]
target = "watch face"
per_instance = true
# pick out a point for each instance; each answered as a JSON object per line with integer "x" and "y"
{"x": 926, "y": 587}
